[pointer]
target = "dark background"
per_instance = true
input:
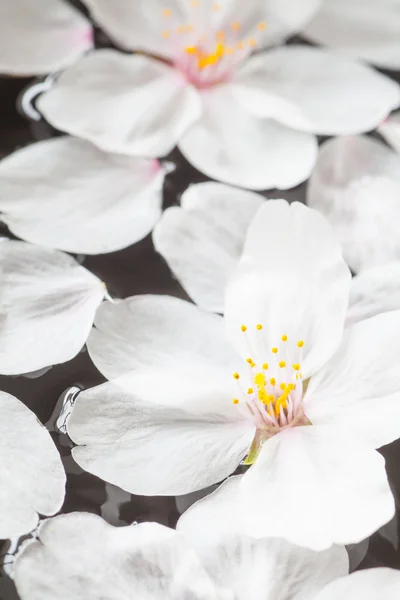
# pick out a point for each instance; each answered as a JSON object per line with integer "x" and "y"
{"x": 135, "y": 270}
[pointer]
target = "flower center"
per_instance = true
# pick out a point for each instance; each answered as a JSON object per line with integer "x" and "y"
{"x": 204, "y": 55}
{"x": 270, "y": 393}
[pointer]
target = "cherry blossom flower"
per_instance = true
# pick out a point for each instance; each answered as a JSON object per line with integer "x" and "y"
{"x": 246, "y": 120}
{"x": 32, "y": 478}
{"x": 64, "y": 193}
{"x": 356, "y": 185}
{"x": 289, "y": 391}
{"x": 47, "y": 306}
{"x": 79, "y": 556}
{"x": 39, "y": 37}
{"x": 363, "y": 29}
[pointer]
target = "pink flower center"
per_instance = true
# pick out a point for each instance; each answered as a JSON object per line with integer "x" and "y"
{"x": 271, "y": 392}
{"x": 206, "y": 56}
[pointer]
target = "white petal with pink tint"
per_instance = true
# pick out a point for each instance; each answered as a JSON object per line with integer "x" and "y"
{"x": 364, "y": 29}
{"x": 128, "y": 104}
{"x": 37, "y": 38}
{"x": 315, "y": 90}
{"x": 203, "y": 238}
{"x": 358, "y": 391}
{"x": 65, "y": 193}
{"x": 32, "y": 478}
{"x": 356, "y": 186}
{"x": 47, "y": 307}
{"x": 315, "y": 486}
{"x": 374, "y": 291}
{"x": 230, "y": 145}
{"x": 293, "y": 281}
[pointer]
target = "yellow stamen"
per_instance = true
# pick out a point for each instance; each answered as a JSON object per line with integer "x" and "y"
{"x": 296, "y": 367}
{"x": 167, "y": 12}
{"x": 284, "y": 338}
{"x": 291, "y": 387}
{"x": 265, "y": 366}
{"x": 282, "y": 364}
{"x": 243, "y": 328}
{"x": 260, "y": 380}
{"x": 235, "y": 401}
{"x": 252, "y": 42}
{"x": 262, "y": 396}
{"x": 236, "y": 26}
{"x": 283, "y": 386}
{"x": 262, "y": 26}
{"x": 275, "y": 350}
{"x": 236, "y": 376}
{"x": 272, "y": 381}
{"x": 259, "y": 327}
{"x": 300, "y": 343}
{"x": 250, "y": 391}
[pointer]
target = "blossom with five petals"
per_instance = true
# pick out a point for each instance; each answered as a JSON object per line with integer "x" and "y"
{"x": 246, "y": 120}
{"x": 306, "y": 403}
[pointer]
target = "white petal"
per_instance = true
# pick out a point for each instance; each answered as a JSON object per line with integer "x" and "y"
{"x": 315, "y": 90}
{"x": 202, "y": 240}
{"x": 65, "y": 193}
{"x": 80, "y": 556}
{"x": 374, "y": 291}
{"x": 292, "y": 280}
{"x": 150, "y": 448}
{"x": 47, "y": 307}
{"x": 360, "y": 28}
{"x": 371, "y": 584}
{"x": 230, "y": 145}
{"x": 128, "y": 104}
{"x": 315, "y": 487}
{"x": 32, "y": 478}
{"x": 245, "y": 565}
{"x": 359, "y": 389}
{"x": 356, "y": 185}
{"x": 390, "y": 130}
{"x": 156, "y": 332}
{"x": 39, "y": 38}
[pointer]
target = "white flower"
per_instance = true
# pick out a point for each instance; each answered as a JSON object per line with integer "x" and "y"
{"x": 306, "y": 403}
{"x": 39, "y": 37}
{"x": 356, "y": 185}
{"x": 47, "y": 306}
{"x": 64, "y": 193}
{"x": 32, "y": 478}
{"x": 247, "y": 120}
{"x": 80, "y": 556}
{"x": 364, "y": 29}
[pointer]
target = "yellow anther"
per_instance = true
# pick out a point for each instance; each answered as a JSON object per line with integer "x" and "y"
{"x": 265, "y": 366}
{"x": 235, "y": 401}
{"x": 283, "y": 386}
{"x": 291, "y": 387}
{"x": 236, "y": 26}
{"x": 236, "y": 376}
{"x": 167, "y": 12}
{"x": 251, "y": 362}
{"x": 250, "y": 391}
{"x": 282, "y": 364}
{"x": 191, "y": 50}
{"x": 274, "y": 350}
{"x": 284, "y": 338}
{"x": 272, "y": 381}
{"x": 262, "y": 396}
{"x": 260, "y": 380}
{"x": 262, "y": 26}
{"x": 296, "y": 367}
{"x": 243, "y": 328}
{"x": 252, "y": 42}
{"x": 259, "y": 327}
{"x": 300, "y": 343}
{"x": 166, "y": 34}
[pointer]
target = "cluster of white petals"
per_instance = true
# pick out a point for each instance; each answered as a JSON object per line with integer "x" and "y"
{"x": 269, "y": 393}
